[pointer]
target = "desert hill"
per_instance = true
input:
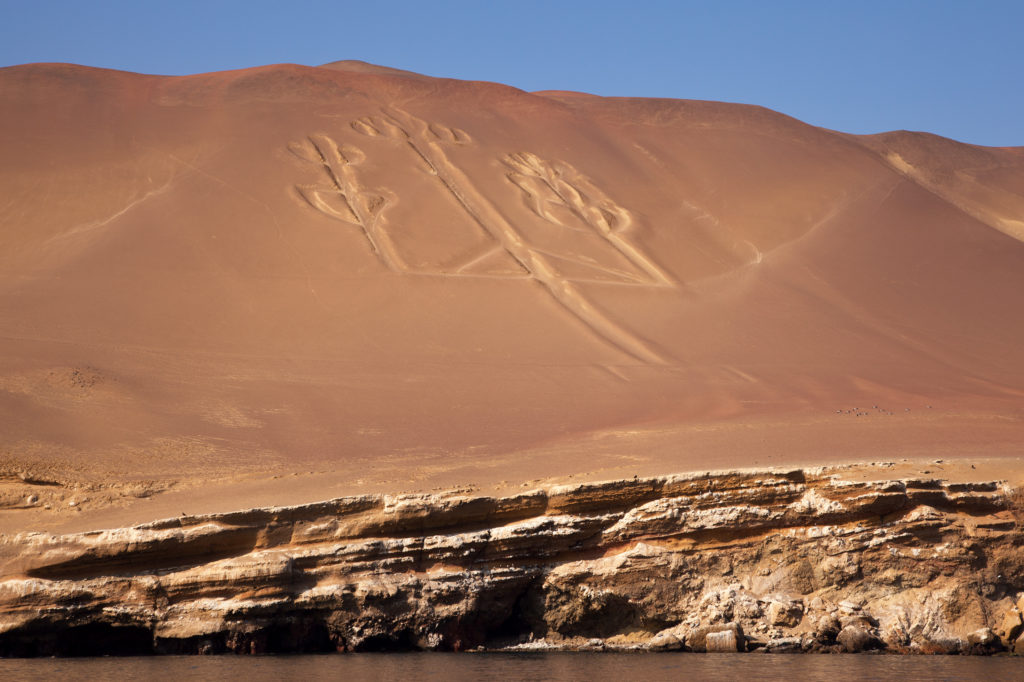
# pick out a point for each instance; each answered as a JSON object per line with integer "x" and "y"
{"x": 379, "y": 276}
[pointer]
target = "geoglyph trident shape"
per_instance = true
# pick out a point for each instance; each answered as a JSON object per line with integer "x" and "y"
{"x": 546, "y": 186}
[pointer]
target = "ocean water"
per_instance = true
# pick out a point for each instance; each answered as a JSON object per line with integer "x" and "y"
{"x": 585, "y": 667}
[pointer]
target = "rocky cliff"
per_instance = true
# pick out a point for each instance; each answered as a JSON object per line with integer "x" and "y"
{"x": 772, "y": 560}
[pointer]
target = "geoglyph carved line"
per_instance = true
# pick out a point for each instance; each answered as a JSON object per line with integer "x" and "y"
{"x": 477, "y": 259}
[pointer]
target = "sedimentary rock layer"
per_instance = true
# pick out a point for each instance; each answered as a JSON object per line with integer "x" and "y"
{"x": 800, "y": 560}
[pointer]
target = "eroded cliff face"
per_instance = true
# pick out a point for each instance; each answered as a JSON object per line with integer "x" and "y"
{"x": 794, "y": 560}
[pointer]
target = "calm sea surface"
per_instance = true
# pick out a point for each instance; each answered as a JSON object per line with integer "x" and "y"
{"x": 588, "y": 667}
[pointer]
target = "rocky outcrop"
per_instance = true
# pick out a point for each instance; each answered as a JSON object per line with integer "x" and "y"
{"x": 778, "y": 561}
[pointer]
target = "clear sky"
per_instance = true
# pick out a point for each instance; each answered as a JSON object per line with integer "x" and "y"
{"x": 862, "y": 66}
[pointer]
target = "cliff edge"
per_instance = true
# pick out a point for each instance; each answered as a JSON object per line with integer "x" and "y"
{"x": 769, "y": 560}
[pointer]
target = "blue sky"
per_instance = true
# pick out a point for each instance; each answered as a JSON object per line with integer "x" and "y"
{"x": 952, "y": 68}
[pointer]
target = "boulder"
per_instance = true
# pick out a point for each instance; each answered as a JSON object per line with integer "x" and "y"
{"x": 786, "y": 613}
{"x": 945, "y": 645}
{"x": 1010, "y": 627}
{"x": 826, "y": 629}
{"x": 721, "y": 642}
{"x": 784, "y": 645}
{"x": 855, "y": 638}
{"x": 1018, "y": 645}
{"x": 861, "y": 620}
{"x": 669, "y": 639}
{"x": 982, "y": 636}
{"x": 848, "y": 607}
{"x": 727, "y": 637}
{"x": 983, "y": 641}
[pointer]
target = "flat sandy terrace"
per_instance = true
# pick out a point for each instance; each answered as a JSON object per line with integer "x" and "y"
{"x": 928, "y": 443}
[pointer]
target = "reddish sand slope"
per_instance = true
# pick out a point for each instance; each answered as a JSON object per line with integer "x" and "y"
{"x": 355, "y": 269}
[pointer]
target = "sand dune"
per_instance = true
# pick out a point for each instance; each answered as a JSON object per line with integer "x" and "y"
{"x": 386, "y": 277}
